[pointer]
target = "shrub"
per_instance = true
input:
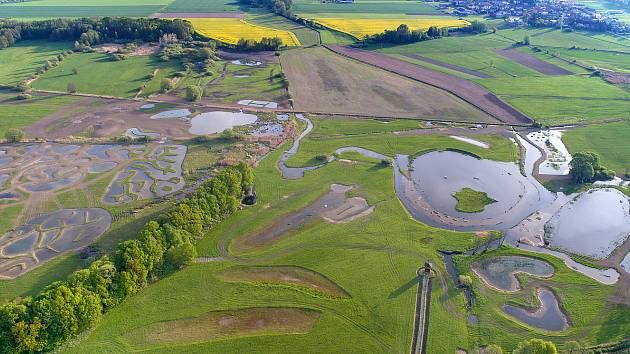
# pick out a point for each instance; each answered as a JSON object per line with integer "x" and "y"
{"x": 23, "y": 96}
{"x": 72, "y": 87}
{"x": 166, "y": 85}
{"x": 321, "y": 158}
{"x": 193, "y": 93}
{"x": 14, "y": 135}
{"x": 465, "y": 281}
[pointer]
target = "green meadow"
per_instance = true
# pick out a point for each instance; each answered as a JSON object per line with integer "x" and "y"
{"x": 32, "y": 56}
{"x": 20, "y": 114}
{"x": 98, "y": 74}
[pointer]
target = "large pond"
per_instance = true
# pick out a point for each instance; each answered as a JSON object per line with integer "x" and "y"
{"x": 593, "y": 224}
{"x": 500, "y": 272}
{"x": 218, "y": 121}
{"x": 438, "y": 175}
{"x": 548, "y": 316}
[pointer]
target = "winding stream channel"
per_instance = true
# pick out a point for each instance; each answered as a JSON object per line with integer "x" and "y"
{"x": 425, "y": 186}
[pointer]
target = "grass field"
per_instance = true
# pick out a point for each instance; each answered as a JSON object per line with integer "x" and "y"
{"x": 362, "y": 27}
{"x": 32, "y": 56}
{"x": 323, "y": 81}
{"x": 610, "y": 141}
{"x": 372, "y": 259}
{"x": 97, "y": 74}
{"x": 593, "y": 320}
{"x": 550, "y": 100}
{"x": 308, "y": 8}
{"x": 230, "y": 30}
{"x": 203, "y": 6}
{"x": 257, "y": 86}
{"x": 19, "y": 114}
{"x": 78, "y": 8}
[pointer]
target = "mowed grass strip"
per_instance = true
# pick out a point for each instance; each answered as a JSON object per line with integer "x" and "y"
{"x": 284, "y": 276}
{"x": 226, "y": 324}
{"x": 231, "y": 30}
{"x": 98, "y": 74}
{"x": 21, "y": 60}
{"x": 471, "y": 201}
{"x": 361, "y": 27}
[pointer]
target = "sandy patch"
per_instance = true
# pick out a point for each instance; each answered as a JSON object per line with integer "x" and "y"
{"x": 144, "y": 49}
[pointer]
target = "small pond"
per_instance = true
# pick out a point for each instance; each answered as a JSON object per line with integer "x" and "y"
{"x": 592, "y": 224}
{"x": 558, "y": 156}
{"x": 499, "y": 272}
{"x": 102, "y": 166}
{"x": 258, "y": 104}
{"x": 625, "y": 264}
{"x": 548, "y": 316}
{"x": 136, "y": 133}
{"x": 218, "y": 121}
{"x": 147, "y": 106}
{"x": 246, "y": 62}
{"x": 175, "y": 113}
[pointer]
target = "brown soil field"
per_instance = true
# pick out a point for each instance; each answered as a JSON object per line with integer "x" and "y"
{"x": 106, "y": 117}
{"x": 225, "y": 324}
{"x": 616, "y": 77}
{"x": 285, "y": 275}
{"x": 450, "y": 66}
{"x": 144, "y": 49}
{"x": 198, "y": 15}
{"x": 324, "y": 82}
{"x": 464, "y": 89}
{"x": 532, "y": 62}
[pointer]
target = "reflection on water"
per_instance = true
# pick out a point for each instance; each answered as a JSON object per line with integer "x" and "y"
{"x": 548, "y": 316}
{"x": 593, "y": 224}
{"x": 499, "y": 272}
{"x": 218, "y": 121}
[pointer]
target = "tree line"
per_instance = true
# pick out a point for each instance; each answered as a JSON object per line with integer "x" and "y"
{"x": 66, "y": 308}
{"x": 89, "y": 31}
{"x": 404, "y": 35}
{"x": 281, "y": 7}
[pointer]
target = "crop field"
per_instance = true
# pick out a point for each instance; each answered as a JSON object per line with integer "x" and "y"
{"x": 362, "y": 27}
{"x": 309, "y": 8}
{"x": 32, "y": 54}
{"x": 324, "y": 81}
{"x": 203, "y": 6}
{"x": 305, "y": 35}
{"x": 610, "y": 141}
{"x": 230, "y": 30}
{"x": 77, "y": 8}
{"x": 98, "y": 74}
{"x": 551, "y": 100}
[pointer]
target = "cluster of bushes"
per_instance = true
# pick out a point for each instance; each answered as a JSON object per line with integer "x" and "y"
{"x": 250, "y": 45}
{"x": 90, "y": 31}
{"x": 66, "y": 308}
{"x": 585, "y": 167}
{"x": 403, "y": 35}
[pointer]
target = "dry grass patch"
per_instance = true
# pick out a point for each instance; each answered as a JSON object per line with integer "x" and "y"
{"x": 285, "y": 275}
{"x": 225, "y": 324}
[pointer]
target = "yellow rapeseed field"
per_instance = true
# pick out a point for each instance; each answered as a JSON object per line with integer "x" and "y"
{"x": 230, "y": 30}
{"x": 361, "y": 27}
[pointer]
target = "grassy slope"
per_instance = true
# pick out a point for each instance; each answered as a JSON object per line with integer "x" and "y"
{"x": 610, "y": 141}
{"x": 23, "y": 59}
{"x": 99, "y": 75}
{"x": 19, "y": 114}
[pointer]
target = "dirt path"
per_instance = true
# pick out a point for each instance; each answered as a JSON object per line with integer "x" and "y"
{"x": 462, "y": 88}
{"x": 532, "y": 62}
{"x": 461, "y": 69}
